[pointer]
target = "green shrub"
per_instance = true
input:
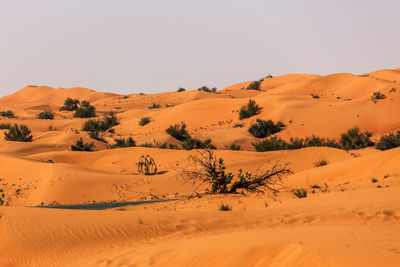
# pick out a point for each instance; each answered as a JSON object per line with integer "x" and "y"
{"x": 320, "y": 163}
{"x": 154, "y": 106}
{"x": 374, "y": 180}
{"x": 315, "y": 96}
{"x": 144, "y": 120}
{"x": 4, "y": 126}
{"x": 46, "y": 115}
{"x": 51, "y": 128}
{"x": 181, "y": 89}
{"x": 147, "y": 145}
{"x": 297, "y": 143}
{"x": 249, "y": 110}
{"x": 8, "y": 114}
{"x": 254, "y": 86}
{"x": 234, "y": 146}
{"x": 263, "y": 128}
{"x": 377, "y": 96}
{"x": 271, "y": 144}
{"x": 225, "y": 207}
{"x": 85, "y": 110}
{"x": 178, "y": 131}
{"x": 354, "y": 139}
{"x": 207, "y": 89}
{"x": 81, "y": 146}
{"x": 300, "y": 193}
{"x": 389, "y": 141}
{"x": 101, "y": 125}
{"x": 70, "y": 104}
{"x": 19, "y": 133}
{"x": 122, "y": 142}
{"x": 125, "y": 97}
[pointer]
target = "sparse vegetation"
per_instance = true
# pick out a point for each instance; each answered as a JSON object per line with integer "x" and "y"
{"x": 192, "y": 143}
{"x": 315, "y": 96}
{"x": 122, "y": 142}
{"x": 81, "y": 146}
{"x": 249, "y": 110}
{"x": 354, "y": 139}
{"x": 2, "y": 197}
{"x": 96, "y": 127}
{"x": 320, "y": 163}
{"x": 51, "y": 128}
{"x": 389, "y": 141}
{"x": 254, "y": 86}
{"x": 144, "y": 120}
{"x": 263, "y": 128}
{"x": 4, "y": 126}
{"x": 8, "y": 114}
{"x": 85, "y": 110}
{"x": 300, "y": 193}
{"x": 20, "y": 133}
{"x": 181, "y": 89}
{"x": 70, "y": 104}
{"x": 234, "y": 146}
{"x": 154, "y": 106}
{"x": 46, "y": 115}
{"x": 207, "y": 89}
{"x": 208, "y": 169}
{"x": 377, "y": 96}
{"x": 225, "y": 207}
{"x": 374, "y": 180}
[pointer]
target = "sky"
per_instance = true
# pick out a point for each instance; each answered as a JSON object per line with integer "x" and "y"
{"x": 132, "y": 46}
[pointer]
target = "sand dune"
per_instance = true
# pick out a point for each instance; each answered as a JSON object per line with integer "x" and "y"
{"x": 350, "y": 216}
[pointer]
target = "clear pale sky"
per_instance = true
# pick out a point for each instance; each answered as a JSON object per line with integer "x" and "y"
{"x": 129, "y": 46}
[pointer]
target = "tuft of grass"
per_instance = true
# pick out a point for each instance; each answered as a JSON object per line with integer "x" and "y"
{"x": 374, "y": 180}
{"x": 225, "y": 207}
{"x": 377, "y": 96}
{"x": 154, "y": 106}
{"x": 144, "y": 120}
{"x": 2, "y": 197}
{"x": 315, "y": 186}
{"x": 300, "y": 193}
{"x": 321, "y": 162}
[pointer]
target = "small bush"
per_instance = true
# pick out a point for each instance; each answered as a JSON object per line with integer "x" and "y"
{"x": 154, "y": 106}
{"x": 181, "y": 89}
{"x": 125, "y": 97}
{"x": 389, "y": 141}
{"x": 300, "y": 193}
{"x": 122, "y": 142}
{"x": 46, "y": 115}
{"x": 207, "y": 89}
{"x": 354, "y": 139}
{"x": 254, "y": 86}
{"x": 51, "y": 128}
{"x": 271, "y": 144}
{"x": 377, "y": 96}
{"x": 234, "y": 146}
{"x": 2, "y": 197}
{"x": 85, "y": 110}
{"x": 8, "y": 114}
{"x": 81, "y": 146}
{"x": 315, "y": 186}
{"x": 320, "y": 163}
{"x": 225, "y": 207}
{"x": 178, "y": 131}
{"x": 20, "y": 133}
{"x": 263, "y": 128}
{"x": 144, "y": 120}
{"x": 147, "y": 145}
{"x": 374, "y": 180}
{"x": 70, "y": 104}
{"x": 192, "y": 143}
{"x": 5, "y": 126}
{"x": 315, "y": 96}
{"x": 249, "y": 110}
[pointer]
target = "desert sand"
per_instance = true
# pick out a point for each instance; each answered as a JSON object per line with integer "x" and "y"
{"x": 345, "y": 220}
